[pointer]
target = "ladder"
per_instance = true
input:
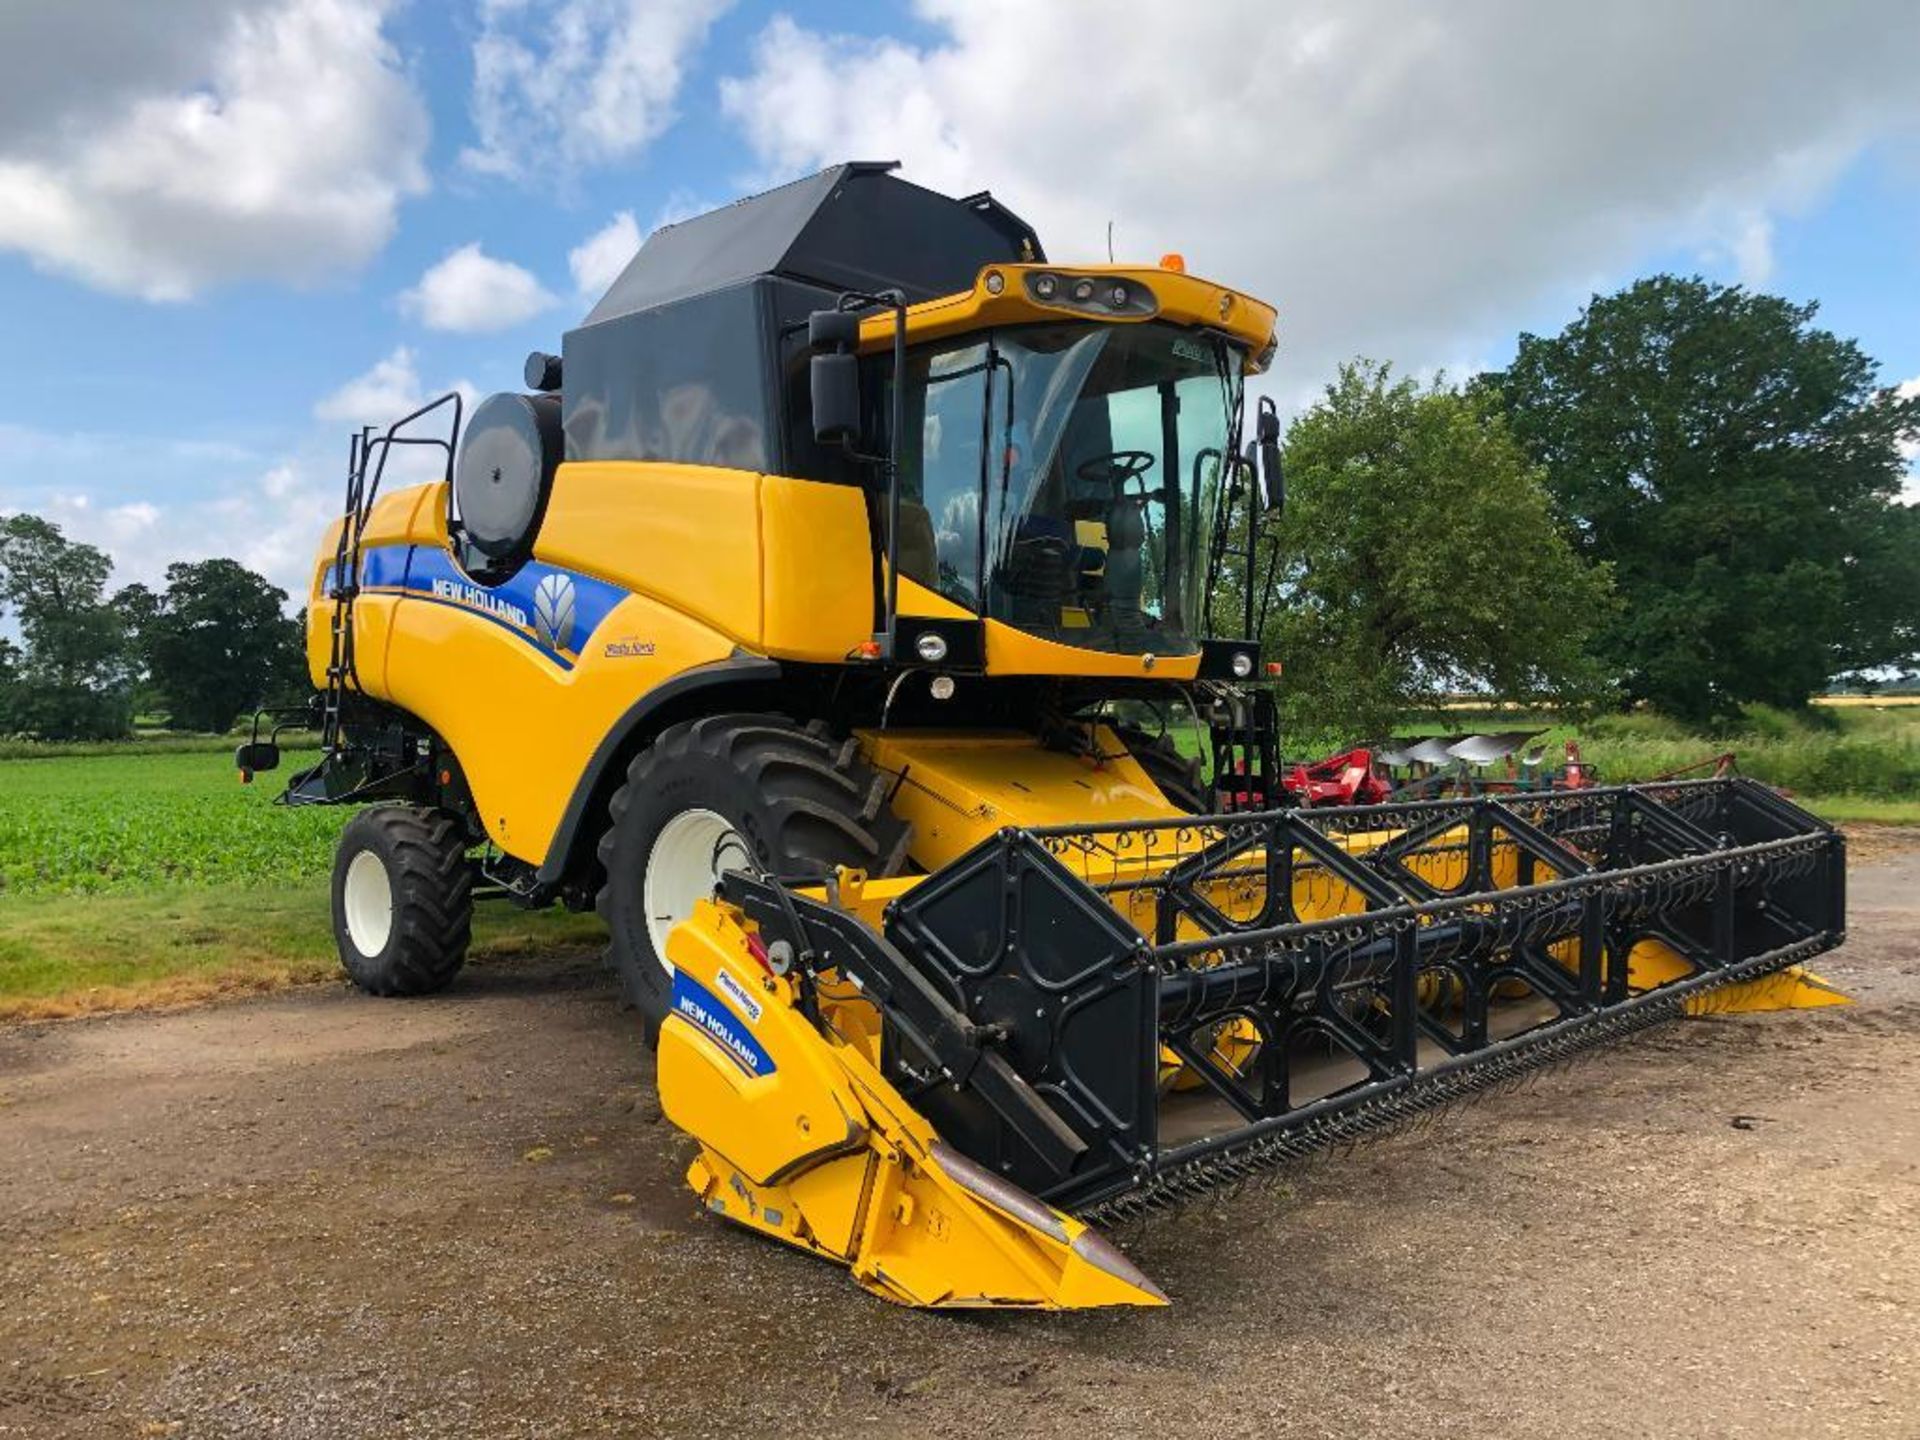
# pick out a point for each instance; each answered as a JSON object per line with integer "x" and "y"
{"x": 367, "y": 455}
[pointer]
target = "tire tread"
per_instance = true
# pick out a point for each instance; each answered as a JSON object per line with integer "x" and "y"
{"x": 433, "y": 899}
{"x": 821, "y": 804}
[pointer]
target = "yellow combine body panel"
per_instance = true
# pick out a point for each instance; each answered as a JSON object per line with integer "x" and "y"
{"x": 958, "y": 788}
{"x": 632, "y": 531}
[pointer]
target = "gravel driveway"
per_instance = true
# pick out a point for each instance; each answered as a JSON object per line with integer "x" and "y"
{"x": 323, "y": 1215}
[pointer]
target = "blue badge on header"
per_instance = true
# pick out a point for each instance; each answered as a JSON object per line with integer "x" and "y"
{"x": 699, "y": 1007}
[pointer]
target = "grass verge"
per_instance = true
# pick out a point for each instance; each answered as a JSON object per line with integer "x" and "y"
{"x": 1862, "y": 809}
{"x": 66, "y": 955}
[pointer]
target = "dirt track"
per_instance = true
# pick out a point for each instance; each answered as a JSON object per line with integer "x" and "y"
{"x": 328, "y": 1216}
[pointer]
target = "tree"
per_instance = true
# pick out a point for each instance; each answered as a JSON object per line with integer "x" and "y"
{"x": 1739, "y": 470}
{"x": 10, "y": 658}
{"x": 72, "y": 681}
{"x": 1419, "y": 557}
{"x": 215, "y": 642}
{"x": 289, "y": 683}
{"x": 136, "y": 606}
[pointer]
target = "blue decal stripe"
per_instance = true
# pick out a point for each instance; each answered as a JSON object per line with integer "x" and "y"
{"x": 563, "y": 659}
{"x": 699, "y": 1007}
{"x": 428, "y": 573}
{"x": 384, "y": 566}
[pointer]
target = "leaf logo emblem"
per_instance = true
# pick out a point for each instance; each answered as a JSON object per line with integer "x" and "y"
{"x": 553, "y": 612}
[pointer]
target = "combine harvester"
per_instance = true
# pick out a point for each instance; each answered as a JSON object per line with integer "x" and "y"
{"x": 802, "y": 618}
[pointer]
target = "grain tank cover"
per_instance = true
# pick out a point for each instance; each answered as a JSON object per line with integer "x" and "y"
{"x": 852, "y": 227}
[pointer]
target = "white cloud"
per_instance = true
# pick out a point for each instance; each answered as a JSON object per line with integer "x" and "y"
{"x": 136, "y": 516}
{"x": 268, "y": 518}
{"x": 282, "y": 544}
{"x": 1753, "y": 251}
{"x": 471, "y": 292}
{"x": 1405, "y": 182}
{"x": 278, "y": 541}
{"x": 390, "y": 389}
{"x": 387, "y": 391}
{"x": 560, "y": 86}
{"x": 158, "y": 150}
{"x": 1741, "y": 242}
{"x": 598, "y": 260}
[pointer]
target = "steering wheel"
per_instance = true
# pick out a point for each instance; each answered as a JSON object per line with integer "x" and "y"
{"x": 1116, "y": 468}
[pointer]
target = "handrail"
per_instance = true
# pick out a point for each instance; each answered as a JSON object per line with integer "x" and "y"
{"x": 363, "y": 489}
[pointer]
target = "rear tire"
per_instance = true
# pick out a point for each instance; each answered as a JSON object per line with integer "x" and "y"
{"x": 402, "y": 899}
{"x": 1176, "y": 775}
{"x": 752, "y": 790}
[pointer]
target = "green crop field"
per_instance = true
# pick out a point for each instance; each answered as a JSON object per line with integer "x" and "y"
{"x": 144, "y": 877}
{"x": 130, "y": 821}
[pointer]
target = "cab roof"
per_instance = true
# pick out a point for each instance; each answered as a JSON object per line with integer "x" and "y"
{"x": 854, "y": 226}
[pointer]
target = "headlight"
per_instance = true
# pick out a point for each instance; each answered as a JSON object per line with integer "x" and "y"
{"x": 930, "y": 647}
{"x": 1102, "y": 295}
{"x": 1242, "y": 665}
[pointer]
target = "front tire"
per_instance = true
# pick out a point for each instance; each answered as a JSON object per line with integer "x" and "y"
{"x": 402, "y": 899}
{"x": 752, "y": 792}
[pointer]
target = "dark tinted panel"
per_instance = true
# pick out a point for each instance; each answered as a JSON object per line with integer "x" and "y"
{"x": 685, "y": 382}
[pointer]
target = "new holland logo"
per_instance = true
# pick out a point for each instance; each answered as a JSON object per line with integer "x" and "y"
{"x": 553, "y": 611}
{"x": 474, "y": 597}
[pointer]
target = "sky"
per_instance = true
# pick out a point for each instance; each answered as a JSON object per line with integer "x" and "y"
{"x": 233, "y": 230}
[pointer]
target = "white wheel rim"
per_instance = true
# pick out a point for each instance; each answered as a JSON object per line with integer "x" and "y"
{"x": 691, "y": 852}
{"x": 368, "y": 902}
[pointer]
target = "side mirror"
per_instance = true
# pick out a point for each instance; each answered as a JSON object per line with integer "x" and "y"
{"x": 832, "y": 330}
{"x": 835, "y": 381}
{"x": 834, "y": 376}
{"x": 1267, "y": 437}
